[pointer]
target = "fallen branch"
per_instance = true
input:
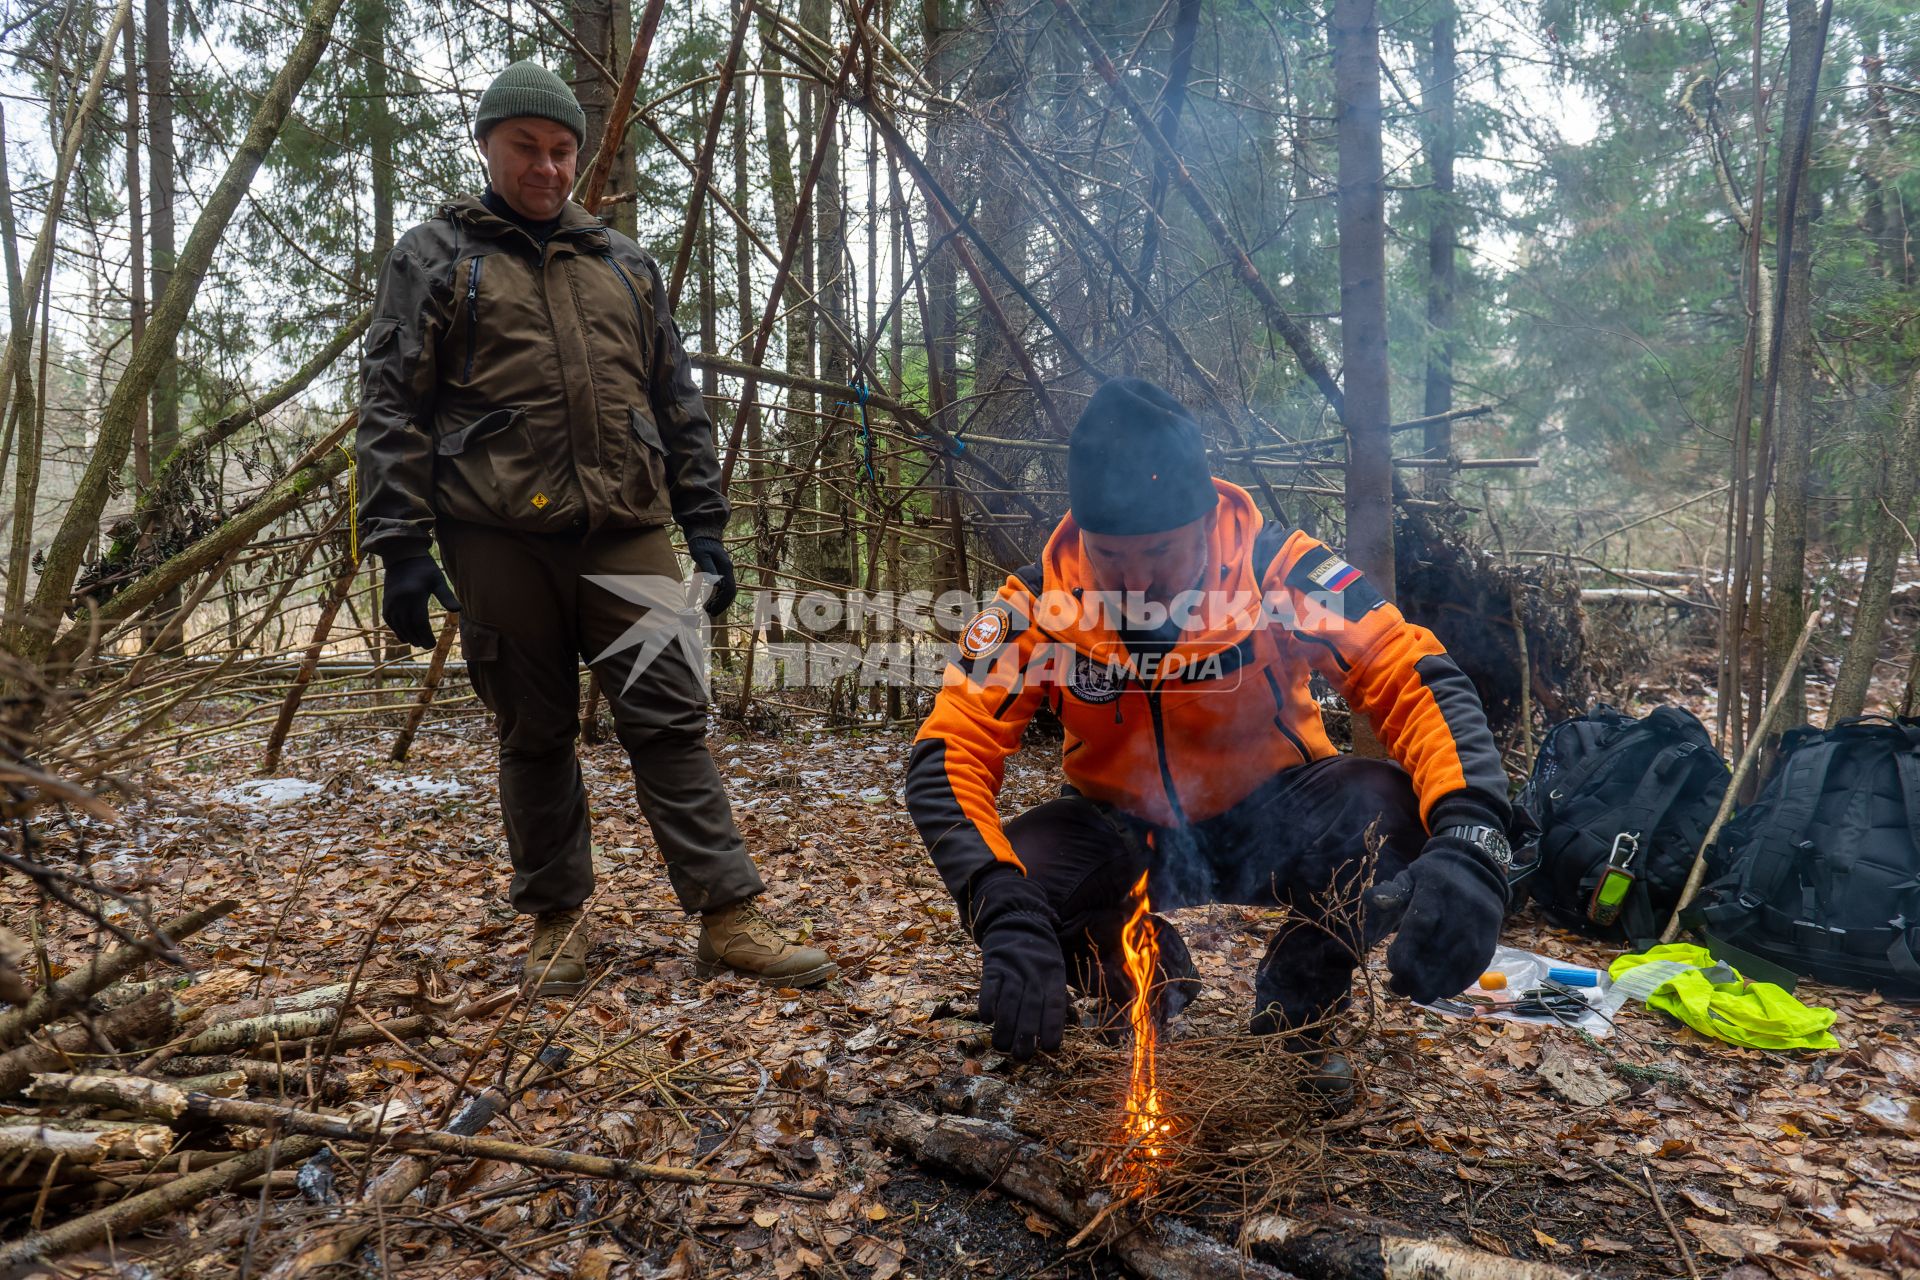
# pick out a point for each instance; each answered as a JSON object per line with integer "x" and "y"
{"x": 1335, "y": 1245}
{"x": 266, "y": 1076}
{"x": 146, "y": 1021}
{"x": 245, "y": 1033}
{"x": 71, "y": 991}
{"x": 1343, "y": 1245}
{"x": 163, "y": 1101}
{"x": 352, "y": 1036}
{"x": 87, "y": 1142}
{"x": 116, "y": 1221}
{"x": 74, "y": 1194}
{"x": 393, "y": 1186}
{"x": 994, "y": 1154}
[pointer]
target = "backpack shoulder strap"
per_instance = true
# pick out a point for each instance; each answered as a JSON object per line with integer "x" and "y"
{"x": 1801, "y": 779}
{"x": 1907, "y": 765}
{"x": 1605, "y": 752}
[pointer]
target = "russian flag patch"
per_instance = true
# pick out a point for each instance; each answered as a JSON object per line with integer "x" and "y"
{"x": 1338, "y": 584}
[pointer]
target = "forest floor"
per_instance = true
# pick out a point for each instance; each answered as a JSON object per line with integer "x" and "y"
{"x": 1755, "y": 1163}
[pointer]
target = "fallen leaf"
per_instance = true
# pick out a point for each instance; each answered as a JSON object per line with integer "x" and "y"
{"x": 1546, "y": 1241}
{"x": 1581, "y": 1083}
{"x": 765, "y": 1218}
{"x": 1901, "y": 1115}
{"x": 1602, "y": 1244}
{"x": 1734, "y": 1240}
{"x": 596, "y": 1262}
{"x": 876, "y": 1213}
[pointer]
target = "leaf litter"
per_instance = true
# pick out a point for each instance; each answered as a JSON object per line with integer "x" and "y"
{"x": 1525, "y": 1141}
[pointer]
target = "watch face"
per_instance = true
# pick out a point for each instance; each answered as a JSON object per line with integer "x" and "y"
{"x": 1488, "y": 838}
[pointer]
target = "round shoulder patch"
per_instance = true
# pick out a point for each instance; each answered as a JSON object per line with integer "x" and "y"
{"x": 987, "y": 632}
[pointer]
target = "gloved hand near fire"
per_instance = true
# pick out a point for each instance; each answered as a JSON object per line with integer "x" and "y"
{"x": 1023, "y": 976}
{"x": 1447, "y": 906}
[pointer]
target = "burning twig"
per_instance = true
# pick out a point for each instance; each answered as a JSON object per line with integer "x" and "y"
{"x": 1145, "y": 1126}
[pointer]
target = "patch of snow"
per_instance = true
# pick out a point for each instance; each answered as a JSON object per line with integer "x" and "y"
{"x": 269, "y": 793}
{"x": 420, "y": 786}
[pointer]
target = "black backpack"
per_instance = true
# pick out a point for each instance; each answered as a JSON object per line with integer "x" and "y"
{"x": 1821, "y": 873}
{"x": 1621, "y": 806}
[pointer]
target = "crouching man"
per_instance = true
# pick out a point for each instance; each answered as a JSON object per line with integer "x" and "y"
{"x": 525, "y": 402}
{"x": 1174, "y": 637}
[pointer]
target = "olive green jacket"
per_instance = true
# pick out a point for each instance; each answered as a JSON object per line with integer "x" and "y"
{"x": 533, "y": 388}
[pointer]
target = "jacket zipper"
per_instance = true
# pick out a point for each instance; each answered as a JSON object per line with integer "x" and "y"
{"x": 1160, "y": 749}
{"x": 1280, "y": 717}
{"x": 638, "y": 319}
{"x": 473, "y": 312}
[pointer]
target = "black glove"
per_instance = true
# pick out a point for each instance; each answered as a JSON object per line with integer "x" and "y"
{"x": 709, "y": 556}
{"x": 1447, "y": 906}
{"x": 410, "y": 580}
{"x": 1023, "y": 976}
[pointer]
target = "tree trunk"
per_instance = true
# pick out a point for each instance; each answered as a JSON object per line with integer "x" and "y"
{"x": 1891, "y": 522}
{"x": 164, "y": 430}
{"x": 371, "y": 21}
{"x": 837, "y": 554}
{"x": 781, "y": 187}
{"x": 1886, "y": 210}
{"x": 136, "y": 245}
{"x": 32, "y": 637}
{"x": 1363, "y": 304}
{"x": 1442, "y": 235}
{"x": 39, "y": 276}
{"x": 940, "y": 310}
{"x": 10, "y": 408}
{"x": 1793, "y": 435}
{"x": 1186, "y": 25}
{"x": 602, "y": 26}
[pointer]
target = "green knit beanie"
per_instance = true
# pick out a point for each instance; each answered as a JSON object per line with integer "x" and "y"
{"x": 529, "y": 89}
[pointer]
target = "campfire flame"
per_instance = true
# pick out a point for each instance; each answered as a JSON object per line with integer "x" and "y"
{"x": 1145, "y": 1125}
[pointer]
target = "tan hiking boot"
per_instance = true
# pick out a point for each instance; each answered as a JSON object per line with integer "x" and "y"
{"x": 556, "y": 963}
{"x": 741, "y": 938}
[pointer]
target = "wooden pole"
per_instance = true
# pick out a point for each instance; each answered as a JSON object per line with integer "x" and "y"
{"x": 436, "y": 668}
{"x": 1747, "y": 757}
{"x": 309, "y": 663}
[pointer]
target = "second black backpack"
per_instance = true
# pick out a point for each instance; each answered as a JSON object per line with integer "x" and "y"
{"x": 1622, "y": 806}
{"x": 1821, "y": 873}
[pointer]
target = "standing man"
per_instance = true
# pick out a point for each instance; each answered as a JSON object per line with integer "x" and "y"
{"x": 1174, "y": 637}
{"x": 525, "y": 400}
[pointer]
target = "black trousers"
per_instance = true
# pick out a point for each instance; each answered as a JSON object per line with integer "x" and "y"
{"x": 1309, "y": 840}
{"x": 529, "y": 616}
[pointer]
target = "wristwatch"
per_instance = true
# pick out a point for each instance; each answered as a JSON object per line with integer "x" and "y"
{"x": 1491, "y": 840}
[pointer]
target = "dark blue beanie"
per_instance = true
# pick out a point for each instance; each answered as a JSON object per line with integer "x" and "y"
{"x": 1136, "y": 462}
